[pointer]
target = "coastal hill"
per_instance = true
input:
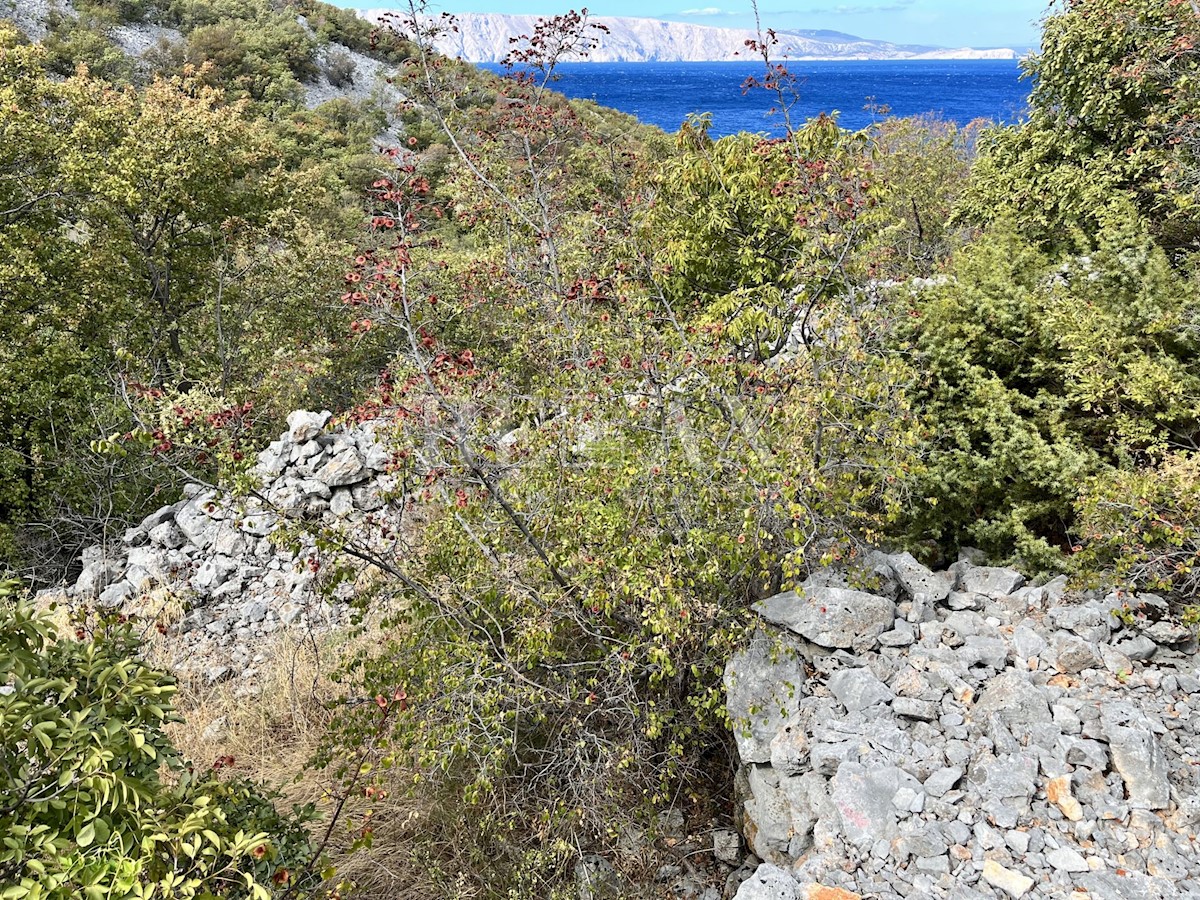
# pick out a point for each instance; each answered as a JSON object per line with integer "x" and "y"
{"x": 484, "y": 37}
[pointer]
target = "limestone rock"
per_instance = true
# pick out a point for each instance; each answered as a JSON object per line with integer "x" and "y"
{"x": 345, "y": 468}
{"x": 1012, "y": 882}
{"x": 763, "y": 687}
{"x": 769, "y": 883}
{"x": 1137, "y": 755}
{"x": 304, "y": 425}
{"x": 858, "y": 689}
{"x": 831, "y": 617}
{"x": 990, "y": 581}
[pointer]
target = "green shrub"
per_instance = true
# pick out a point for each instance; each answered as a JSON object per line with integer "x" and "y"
{"x": 1143, "y": 525}
{"x": 96, "y": 802}
{"x": 1039, "y": 375}
{"x": 1113, "y": 114}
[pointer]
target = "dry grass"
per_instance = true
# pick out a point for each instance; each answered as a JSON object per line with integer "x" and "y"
{"x": 273, "y": 735}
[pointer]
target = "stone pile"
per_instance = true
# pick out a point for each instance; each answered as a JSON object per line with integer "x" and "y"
{"x": 233, "y": 570}
{"x": 962, "y": 735}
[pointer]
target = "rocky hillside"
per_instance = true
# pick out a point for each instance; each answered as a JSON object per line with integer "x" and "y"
{"x": 484, "y": 37}
{"x": 957, "y": 734}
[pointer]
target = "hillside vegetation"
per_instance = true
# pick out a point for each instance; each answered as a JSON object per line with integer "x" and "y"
{"x": 629, "y": 382}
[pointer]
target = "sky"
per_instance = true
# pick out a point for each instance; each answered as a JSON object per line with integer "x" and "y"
{"x": 946, "y": 23}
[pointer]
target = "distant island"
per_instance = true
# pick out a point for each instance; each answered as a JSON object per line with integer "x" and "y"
{"x": 484, "y": 37}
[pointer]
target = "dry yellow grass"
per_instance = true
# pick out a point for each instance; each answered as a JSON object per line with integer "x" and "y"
{"x": 273, "y": 734}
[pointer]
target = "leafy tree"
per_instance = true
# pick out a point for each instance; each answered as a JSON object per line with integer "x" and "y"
{"x": 1143, "y": 526}
{"x": 1113, "y": 113}
{"x": 151, "y": 236}
{"x": 96, "y": 802}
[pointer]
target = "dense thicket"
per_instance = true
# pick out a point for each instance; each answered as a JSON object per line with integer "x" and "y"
{"x": 632, "y": 382}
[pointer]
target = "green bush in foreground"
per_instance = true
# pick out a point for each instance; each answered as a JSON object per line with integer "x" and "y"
{"x": 85, "y": 810}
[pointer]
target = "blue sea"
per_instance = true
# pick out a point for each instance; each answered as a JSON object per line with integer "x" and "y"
{"x": 664, "y": 94}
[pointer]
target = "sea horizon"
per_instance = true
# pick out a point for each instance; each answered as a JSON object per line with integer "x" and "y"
{"x": 860, "y": 92}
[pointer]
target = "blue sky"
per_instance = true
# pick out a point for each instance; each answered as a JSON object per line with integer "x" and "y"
{"x": 950, "y": 23}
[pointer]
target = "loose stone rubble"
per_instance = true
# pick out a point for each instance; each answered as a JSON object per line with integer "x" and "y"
{"x": 233, "y": 570}
{"x": 963, "y": 735}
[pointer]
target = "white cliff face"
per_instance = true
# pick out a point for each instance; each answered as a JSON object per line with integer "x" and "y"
{"x": 484, "y": 37}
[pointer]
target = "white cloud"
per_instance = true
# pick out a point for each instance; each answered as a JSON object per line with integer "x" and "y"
{"x": 706, "y": 11}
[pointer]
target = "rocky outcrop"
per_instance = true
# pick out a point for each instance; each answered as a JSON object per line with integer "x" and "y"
{"x": 224, "y": 572}
{"x": 963, "y": 735}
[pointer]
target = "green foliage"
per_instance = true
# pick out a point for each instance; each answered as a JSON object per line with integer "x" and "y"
{"x": 920, "y": 171}
{"x": 1041, "y": 375}
{"x": 96, "y": 802}
{"x": 757, "y": 234}
{"x": 1143, "y": 526}
{"x": 164, "y": 237}
{"x": 1113, "y": 115}
{"x": 605, "y": 458}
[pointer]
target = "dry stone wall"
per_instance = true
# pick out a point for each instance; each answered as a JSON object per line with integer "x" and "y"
{"x": 964, "y": 735}
{"x": 241, "y": 568}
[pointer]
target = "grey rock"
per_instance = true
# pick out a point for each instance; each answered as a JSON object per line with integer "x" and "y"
{"x": 1072, "y": 654}
{"x": 1065, "y": 859}
{"x": 156, "y": 518}
{"x": 943, "y": 780}
{"x": 769, "y": 883}
{"x": 343, "y": 469}
{"x": 727, "y": 846}
{"x": 768, "y": 677}
{"x": 862, "y": 797}
{"x": 255, "y": 611}
{"x": 314, "y": 487}
{"x": 1136, "y": 755}
{"x": 918, "y": 581}
{"x": 304, "y": 425}
{"x": 1129, "y": 885}
{"x": 139, "y": 579}
{"x": 215, "y": 731}
{"x": 964, "y": 600}
{"x": 113, "y": 596}
{"x": 273, "y": 461}
{"x": 1011, "y": 777}
{"x": 912, "y": 708}
{"x": 857, "y": 689}
{"x": 831, "y": 617}
{"x": 215, "y": 571}
{"x": 134, "y": 537}
{"x": 1018, "y": 703}
{"x": 197, "y": 519}
{"x": 597, "y": 879}
{"x": 896, "y": 638}
{"x": 990, "y": 581}
{"x": 770, "y": 817}
{"x": 1080, "y": 751}
{"x": 229, "y": 541}
{"x": 1089, "y": 622}
{"x": 790, "y": 747}
{"x": 1168, "y": 633}
{"x": 167, "y": 534}
{"x": 95, "y": 577}
{"x": 1027, "y": 642}
{"x": 988, "y": 651}
{"x": 342, "y": 503}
